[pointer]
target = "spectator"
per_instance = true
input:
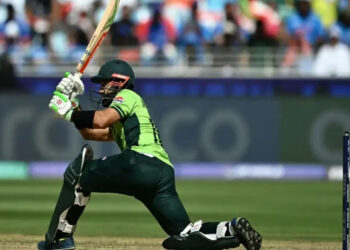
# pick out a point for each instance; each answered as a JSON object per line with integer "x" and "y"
{"x": 178, "y": 11}
{"x": 97, "y": 11}
{"x": 123, "y": 31}
{"x": 304, "y": 25}
{"x": 7, "y": 74}
{"x": 77, "y": 42}
{"x": 79, "y": 37}
{"x": 191, "y": 37}
{"x": 158, "y": 36}
{"x": 343, "y": 25}
{"x": 211, "y": 21}
{"x": 38, "y": 12}
{"x": 333, "y": 59}
{"x": 131, "y": 4}
{"x": 85, "y": 25}
{"x": 59, "y": 42}
{"x": 232, "y": 34}
{"x": 13, "y": 31}
{"x": 304, "y": 30}
{"x": 267, "y": 13}
{"x": 260, "y": 38}
{"x": 261, "y": 46}
{"x": 299, "y": 55}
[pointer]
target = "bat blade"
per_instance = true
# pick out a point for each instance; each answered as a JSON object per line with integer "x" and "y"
{"x": 98, "y": 36}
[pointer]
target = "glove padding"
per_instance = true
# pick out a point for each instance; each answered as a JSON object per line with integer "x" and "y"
{"x": 61, "y": 105}
{"x": 71, "y": 85}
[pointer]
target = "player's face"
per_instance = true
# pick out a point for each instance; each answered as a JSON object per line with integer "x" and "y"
{"x": 106, "y": 88}
{"x": 115, "y": 83}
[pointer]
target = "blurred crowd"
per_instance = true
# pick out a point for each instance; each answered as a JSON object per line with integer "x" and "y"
{"x": 313, "y": 35}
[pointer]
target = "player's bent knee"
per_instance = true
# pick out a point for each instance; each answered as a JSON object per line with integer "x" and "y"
{"x": 75, "y": 168}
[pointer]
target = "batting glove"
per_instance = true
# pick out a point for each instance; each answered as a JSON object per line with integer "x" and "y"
{"x": 78, "y": 86}
{"x": 71, "y": 85}
{"x": 75, "y": 103}
{"x": 61, "y": 105}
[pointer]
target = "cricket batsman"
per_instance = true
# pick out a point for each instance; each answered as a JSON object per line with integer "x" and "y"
{"x": 142, "y": 169}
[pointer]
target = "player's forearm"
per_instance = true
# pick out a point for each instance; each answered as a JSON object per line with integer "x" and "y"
{"x": 105, "y": 118}
{"x": 96, "y": 134}
{"x": 100, "y": 120}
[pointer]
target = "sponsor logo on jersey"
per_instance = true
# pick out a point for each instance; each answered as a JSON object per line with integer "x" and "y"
{"x": 59, "y": 101}
{"x": 118, "y": 99}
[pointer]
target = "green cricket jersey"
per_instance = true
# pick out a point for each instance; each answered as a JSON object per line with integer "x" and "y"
{"x": 136, "y": 130}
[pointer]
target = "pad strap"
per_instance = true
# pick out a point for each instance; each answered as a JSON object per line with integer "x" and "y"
{"x": 221, "y": 229}
{"x": 187, "y": 229}
{"x": 80, "y": 199}
{"x": 65, "y": 227}
{"x": 192, "y": 228}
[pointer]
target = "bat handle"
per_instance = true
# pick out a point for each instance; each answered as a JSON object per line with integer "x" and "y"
{"x": 78, "y": 74}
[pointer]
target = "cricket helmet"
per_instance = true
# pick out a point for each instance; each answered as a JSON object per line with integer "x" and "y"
{"x": 119, "y": 75}
{"x": 114, "y": 68}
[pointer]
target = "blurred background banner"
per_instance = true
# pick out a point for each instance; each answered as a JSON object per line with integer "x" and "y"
{"x": 195, "y": 129}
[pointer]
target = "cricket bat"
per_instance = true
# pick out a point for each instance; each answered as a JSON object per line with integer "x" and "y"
{"x": 98, "y": 36}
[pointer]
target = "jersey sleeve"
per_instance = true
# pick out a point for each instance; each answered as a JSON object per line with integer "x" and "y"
{"x": 124, "y": 103}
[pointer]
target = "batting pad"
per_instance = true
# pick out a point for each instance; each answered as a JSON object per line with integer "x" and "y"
{"x": 199, "y": 241}
{"x": 65, "y": 201}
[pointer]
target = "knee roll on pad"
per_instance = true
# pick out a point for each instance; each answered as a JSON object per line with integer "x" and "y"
{"x": 75, "y": 168}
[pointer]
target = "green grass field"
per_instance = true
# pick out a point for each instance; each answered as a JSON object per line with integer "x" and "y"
{"x": 281, "y": 211}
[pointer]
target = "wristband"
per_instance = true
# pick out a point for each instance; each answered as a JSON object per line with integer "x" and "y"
{"x": 83, "y": 119}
